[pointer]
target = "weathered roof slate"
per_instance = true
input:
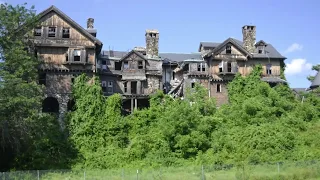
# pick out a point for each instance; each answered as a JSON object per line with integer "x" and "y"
{"x": 166, "y": 57}
{"x": 71, "y": 22}
{"x": 316, "y": 81}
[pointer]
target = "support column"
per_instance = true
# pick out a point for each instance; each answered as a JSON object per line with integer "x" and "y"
{"x": 131, "y": 105}
{"x": 129, "y": 87}
{"x": 138, "y": 87}
{"x": 136, "y": 104}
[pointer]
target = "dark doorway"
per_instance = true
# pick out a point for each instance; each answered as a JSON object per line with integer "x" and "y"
{"x": 134, "y": 87}
{"x": 50, "y": 105}
{"x": 143, "y": 103}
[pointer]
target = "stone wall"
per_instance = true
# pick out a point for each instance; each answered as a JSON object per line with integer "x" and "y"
{"x": 152, "y": 43}
{"x": 153, "y": 84}
{"x": 221, "y": 97}
{"x": 249, "y": 38}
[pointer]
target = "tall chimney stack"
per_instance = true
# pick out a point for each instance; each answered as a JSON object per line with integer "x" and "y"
{"x": 152, "y": 43}
{"x": 90, "y": 27}
{"x": 249, "y": 37}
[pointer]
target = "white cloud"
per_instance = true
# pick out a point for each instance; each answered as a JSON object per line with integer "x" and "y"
{"x": 298, "y": 66}
{"x": 294, "y": 47}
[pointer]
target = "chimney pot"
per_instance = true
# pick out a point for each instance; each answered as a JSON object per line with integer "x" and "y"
{"x": 90, "y": 23}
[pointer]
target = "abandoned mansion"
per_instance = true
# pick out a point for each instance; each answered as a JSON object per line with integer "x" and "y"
{"x": 67, "y": 50}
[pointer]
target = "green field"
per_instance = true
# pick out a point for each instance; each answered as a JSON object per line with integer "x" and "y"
{"x": 287, "y": 171}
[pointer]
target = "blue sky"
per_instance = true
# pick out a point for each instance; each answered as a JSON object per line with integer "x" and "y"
{"x": 290, "y": 26}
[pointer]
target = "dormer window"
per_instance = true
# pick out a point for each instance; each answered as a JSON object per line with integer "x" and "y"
{"x": 228, "y": 49}
{"x": 261, "y": 47}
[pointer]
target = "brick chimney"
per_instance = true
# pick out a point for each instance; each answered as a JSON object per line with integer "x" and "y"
{"x": 90, "y": 27}
{"x": 152, "y": 43}
{"x": 249, "y": 37}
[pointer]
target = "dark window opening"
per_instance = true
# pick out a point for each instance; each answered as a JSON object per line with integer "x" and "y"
{"x": 67, "y": 57}
{"x": 173, "y": 75}
{"x": 104, "y": 62}
{"x": 52, "y": 32}
{"x": 140, "y": 65}
{"x": 125, "y": 87}
{"x": 269, "y": 69}
{"x": 65, "y": 33}
{"x": 218, "y": 88}
{"x": 228, "y": 49}
{"x": 199, "y": 67}
{"x": 42, "y": 78}
{"x": 186, "y": 68}
{"x": 37, "y": 31}
{"x": 104, "y": 86}
{"x": 125, "y": 65}
{"x": 203, "y": 67}
{"x": 193, "y": 85}
{"x": 260, "y": 51}
{"x": 229, "y": 67}
{"x": 117, "y": 66}
{"x": 36, "y": 53}
{"x": 134, "y": 87}
{"x": 50, "y": 105}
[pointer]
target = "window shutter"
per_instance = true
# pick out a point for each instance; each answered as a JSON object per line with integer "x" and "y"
{"x": 70, "y": 55}
{"x": 234, "y": 67}
{"x": 45, "y": 32}
{"x": 59, "y": 32}
{"x": 225, "y": 66}
{"x": 83, "y": 56}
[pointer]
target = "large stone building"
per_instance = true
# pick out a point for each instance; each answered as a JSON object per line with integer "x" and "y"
{"x": 67, "y": 49}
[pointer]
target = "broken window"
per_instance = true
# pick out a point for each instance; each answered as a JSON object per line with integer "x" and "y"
{"x": 117, "y": 65}
{"x": 201, "y": 67}
{"x": 134, "y": 87}
{"x": 229, "y": 67}
{"x": 125, "y": 87}
{"x": 140, "y": 65}
{"x": 186, "y": 68}
{"x": 228, "y": 49}
{"x": 66, "y": 33}
{"x": 125, "y": 65}
{"x": 67, "y": 57}
{"x": 52, "y": 32}
{"x": 173, "y": 75}
{"x": 221, "y": 67}
{"x": 269, "y": 69}
{"x": 77, "y": 55}
{"x": 110, "y": 87}
{"x": 42, "y": 78}
{"x": 192, "y": 85}
{"x": 104, "y": 86}
{"x": 72, "y": 80}
{"x": 37, "y": 31}
{"x": 218, "y": 88}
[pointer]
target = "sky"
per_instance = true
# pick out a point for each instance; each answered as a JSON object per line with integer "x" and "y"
{"x": 292, "y": 27}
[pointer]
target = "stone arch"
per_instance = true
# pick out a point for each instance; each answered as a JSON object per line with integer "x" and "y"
{"x": 71, "y": 105}
{"x": 50, "y": 105}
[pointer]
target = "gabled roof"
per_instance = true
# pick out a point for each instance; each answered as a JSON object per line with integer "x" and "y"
{"x": 316, "y": 81}
{"x": 208, "y": 44}
{"x": 70, "y": 21}
{"x": 235, "y": 42}
{"x": 270, "y": 51}
{"x": 261, "y": 42}
{"x": 131, "y": 52}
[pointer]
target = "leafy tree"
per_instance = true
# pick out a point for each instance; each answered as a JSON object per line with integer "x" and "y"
{"x": 314, "y": 68}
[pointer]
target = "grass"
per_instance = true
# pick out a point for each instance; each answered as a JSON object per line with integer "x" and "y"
{"x": 293, "y": 171}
